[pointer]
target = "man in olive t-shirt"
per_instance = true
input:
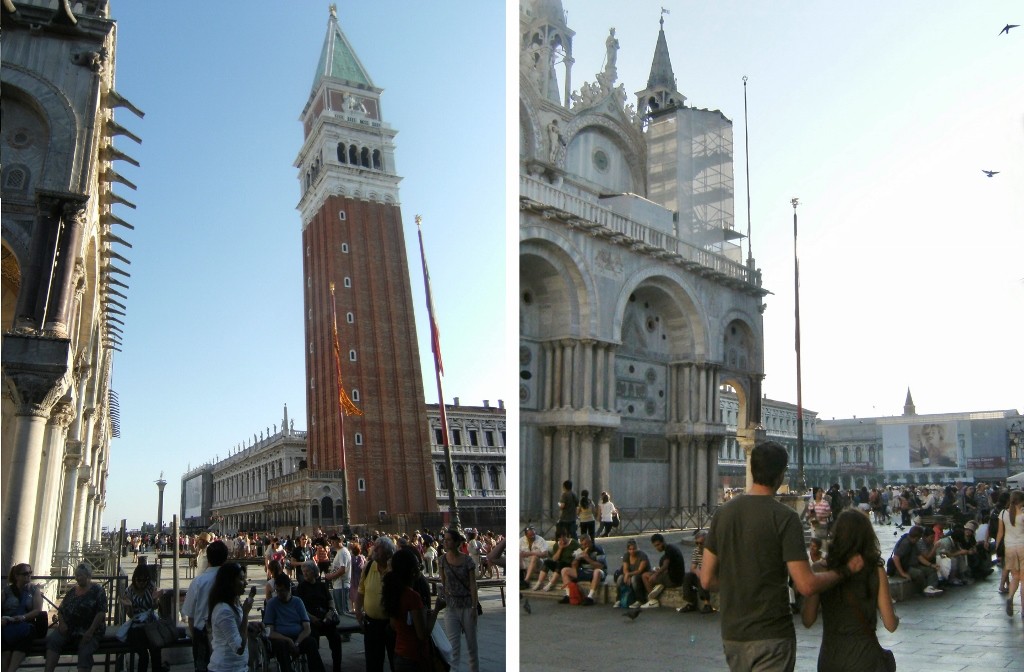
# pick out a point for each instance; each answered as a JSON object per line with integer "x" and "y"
{"x": 753, "y": 543}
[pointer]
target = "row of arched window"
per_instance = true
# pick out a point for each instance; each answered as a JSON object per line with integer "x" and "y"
{"x": 354, "y": 155}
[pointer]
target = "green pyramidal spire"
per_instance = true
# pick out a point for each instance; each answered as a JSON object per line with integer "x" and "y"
{"x": 338, "y": 60}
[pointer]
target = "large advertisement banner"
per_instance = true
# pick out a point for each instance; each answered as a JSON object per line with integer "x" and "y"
{"x": 194, "y": 497}
{"x": 931, "y": 445}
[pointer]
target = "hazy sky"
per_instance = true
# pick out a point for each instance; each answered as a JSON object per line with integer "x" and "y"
{"x": 213, "y": 346}
{"x": 880, "y": 117}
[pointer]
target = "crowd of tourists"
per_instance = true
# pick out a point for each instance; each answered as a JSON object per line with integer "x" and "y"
{"x": 951, "y": 536}
{"x": 308, "y": 585}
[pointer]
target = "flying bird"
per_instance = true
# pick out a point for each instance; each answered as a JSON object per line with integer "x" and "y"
{"x": 632, "y": 614}
{"x": 990, "y": 173}
{"x": 1007, "y": 28}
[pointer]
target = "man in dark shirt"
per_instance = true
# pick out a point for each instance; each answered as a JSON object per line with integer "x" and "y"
{"x": 323, "y": 618}
{"x": 567, "y": 504}
{"x": 669, "y": 574}
{"x": 753, "y": 543}
{"x": 587, "y": 567}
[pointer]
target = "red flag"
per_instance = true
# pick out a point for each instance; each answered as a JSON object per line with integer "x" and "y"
{"x": 435, "y": 334}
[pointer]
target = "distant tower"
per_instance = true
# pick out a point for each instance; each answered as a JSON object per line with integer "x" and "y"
{"x": 352, "y": 236}
{"x": 160, "y": 505}
{"x": 908, "y": 405}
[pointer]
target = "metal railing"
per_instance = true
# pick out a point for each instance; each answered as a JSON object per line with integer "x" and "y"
{"x": 635, "y": 521}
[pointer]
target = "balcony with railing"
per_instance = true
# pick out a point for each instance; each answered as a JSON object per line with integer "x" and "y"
{"x": 579, "y": 213}
{"x": 463, "y": 450}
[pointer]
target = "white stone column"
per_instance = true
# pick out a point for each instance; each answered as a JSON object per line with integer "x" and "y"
{"x": 702, "y": 471}
{"x": 611, "y": 378}
{"x": 547, "y": 471}
{"x": 556, "y": 384}
{"x": 564, "y": 450}
{"x": 567, "y": 378}
{"x": 66, "y": 521}
{"x": 50, "y": 483}
{"x": 604, "y": 439}
{"x": 674, "y": 473}
{"x": 600, "y": 377}
{"x": 686, "y": 393}
{"x": 20, "y": 497}
{"x": 586, "y": 450}
{"x": 588, "y": 373}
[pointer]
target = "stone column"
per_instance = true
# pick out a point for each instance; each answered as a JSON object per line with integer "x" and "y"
{"x": 564, "y": 448}
{"x": 673, "y": 471}
{"x": 611, "y": 378}
{"x": 586, "y": 451}
{"x": 65, "y": 523}
{"x": 604, "y": 458}
{"x": 686, "y": 393}
{"x": 546, "y": 381}
{"x": 556, "y": 382}
{"x": 702, "y": 471}
{"x": 37, "y": 388}
{"x": 588, "y": 373}
{"x": 600, "y": 379}
{"x": 547, "y": 471}
{"x": 74, "y": 219}
{"x": 568, "y": 352}
{"x": 36, "y": 271}
{"x": 50, "y": 482}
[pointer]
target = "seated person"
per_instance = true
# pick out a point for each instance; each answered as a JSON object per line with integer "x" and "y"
{"x": 669, "y": 574}
{"x": 532, "y": 551}
{"x": 909, "y": 563}
{"x": 980, "y": 562}
{"x": 561, "y": 557}
{"x": 323, "y": 618}
{"x": 81, "y": 621}
{"x": 634, "y": 563}
{"x": 290, "y": 632}
{"x": 693, "y": 592}
{"x": 22, "y": 604}
{"x": 588, "y": 565}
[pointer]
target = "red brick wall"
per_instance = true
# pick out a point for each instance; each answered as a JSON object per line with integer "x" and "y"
{"x": 395, "y": 456}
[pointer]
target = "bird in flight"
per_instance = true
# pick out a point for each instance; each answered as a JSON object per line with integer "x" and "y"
{"x": 1007, "y": 28}
{"x": 990, "y": 173}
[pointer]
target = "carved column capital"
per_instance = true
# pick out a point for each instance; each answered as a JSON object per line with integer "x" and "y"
{"x": 62, "y": 415}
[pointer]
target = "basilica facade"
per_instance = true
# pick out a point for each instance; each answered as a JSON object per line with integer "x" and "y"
{"x": 64, "y": 276}
{"x": 636, "y": 307}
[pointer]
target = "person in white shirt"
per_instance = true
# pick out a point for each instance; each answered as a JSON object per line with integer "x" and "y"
{"x": 196, "y": 606}
{"x": 340, "y": 574}
{"x": 532, "y": 551}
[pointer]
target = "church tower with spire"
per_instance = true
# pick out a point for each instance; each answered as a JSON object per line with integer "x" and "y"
{"x": 689, "y": 159}
{"x": 355, "y": 266}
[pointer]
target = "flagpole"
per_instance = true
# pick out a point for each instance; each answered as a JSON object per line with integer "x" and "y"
{"x": 435, "y": 346}
{"x": 801, "y": 482}
{"x": 347, "y": 517}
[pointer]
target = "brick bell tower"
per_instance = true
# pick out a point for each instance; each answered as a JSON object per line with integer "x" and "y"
{"x": 352, "y": 236}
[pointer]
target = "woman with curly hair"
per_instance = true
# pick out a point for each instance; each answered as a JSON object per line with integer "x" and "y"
{"x": 410, "y": 619}
{"x": 850, "y": 609}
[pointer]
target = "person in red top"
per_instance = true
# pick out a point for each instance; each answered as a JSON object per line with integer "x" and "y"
{"x": 409, "y": 618}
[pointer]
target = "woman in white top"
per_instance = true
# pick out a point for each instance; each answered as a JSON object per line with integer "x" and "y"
{"x": 608, "y": 513}
{"x": 1011, "y": 534}
{"x": 228, "y": 620}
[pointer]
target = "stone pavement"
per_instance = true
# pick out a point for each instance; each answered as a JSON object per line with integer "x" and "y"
{"x": 490, "y": 632}
{"x": 965, "y": 629}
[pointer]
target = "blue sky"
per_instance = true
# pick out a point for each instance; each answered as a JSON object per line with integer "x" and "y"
{"x": 880, "y": 117}
{"x": 213, "y": 343}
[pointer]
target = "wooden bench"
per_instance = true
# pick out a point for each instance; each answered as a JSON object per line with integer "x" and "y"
{"x": 435, "y": 581}
{"x": 111, "y": 649}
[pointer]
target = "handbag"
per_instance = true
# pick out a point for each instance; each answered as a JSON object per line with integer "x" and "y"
{"x": 615, "y": 518}
{"x": 440, "y": 650}
{"x": 160, "y": 632}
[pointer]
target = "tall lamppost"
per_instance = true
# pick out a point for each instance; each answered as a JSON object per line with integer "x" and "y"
{"x": 801, "y": 481}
